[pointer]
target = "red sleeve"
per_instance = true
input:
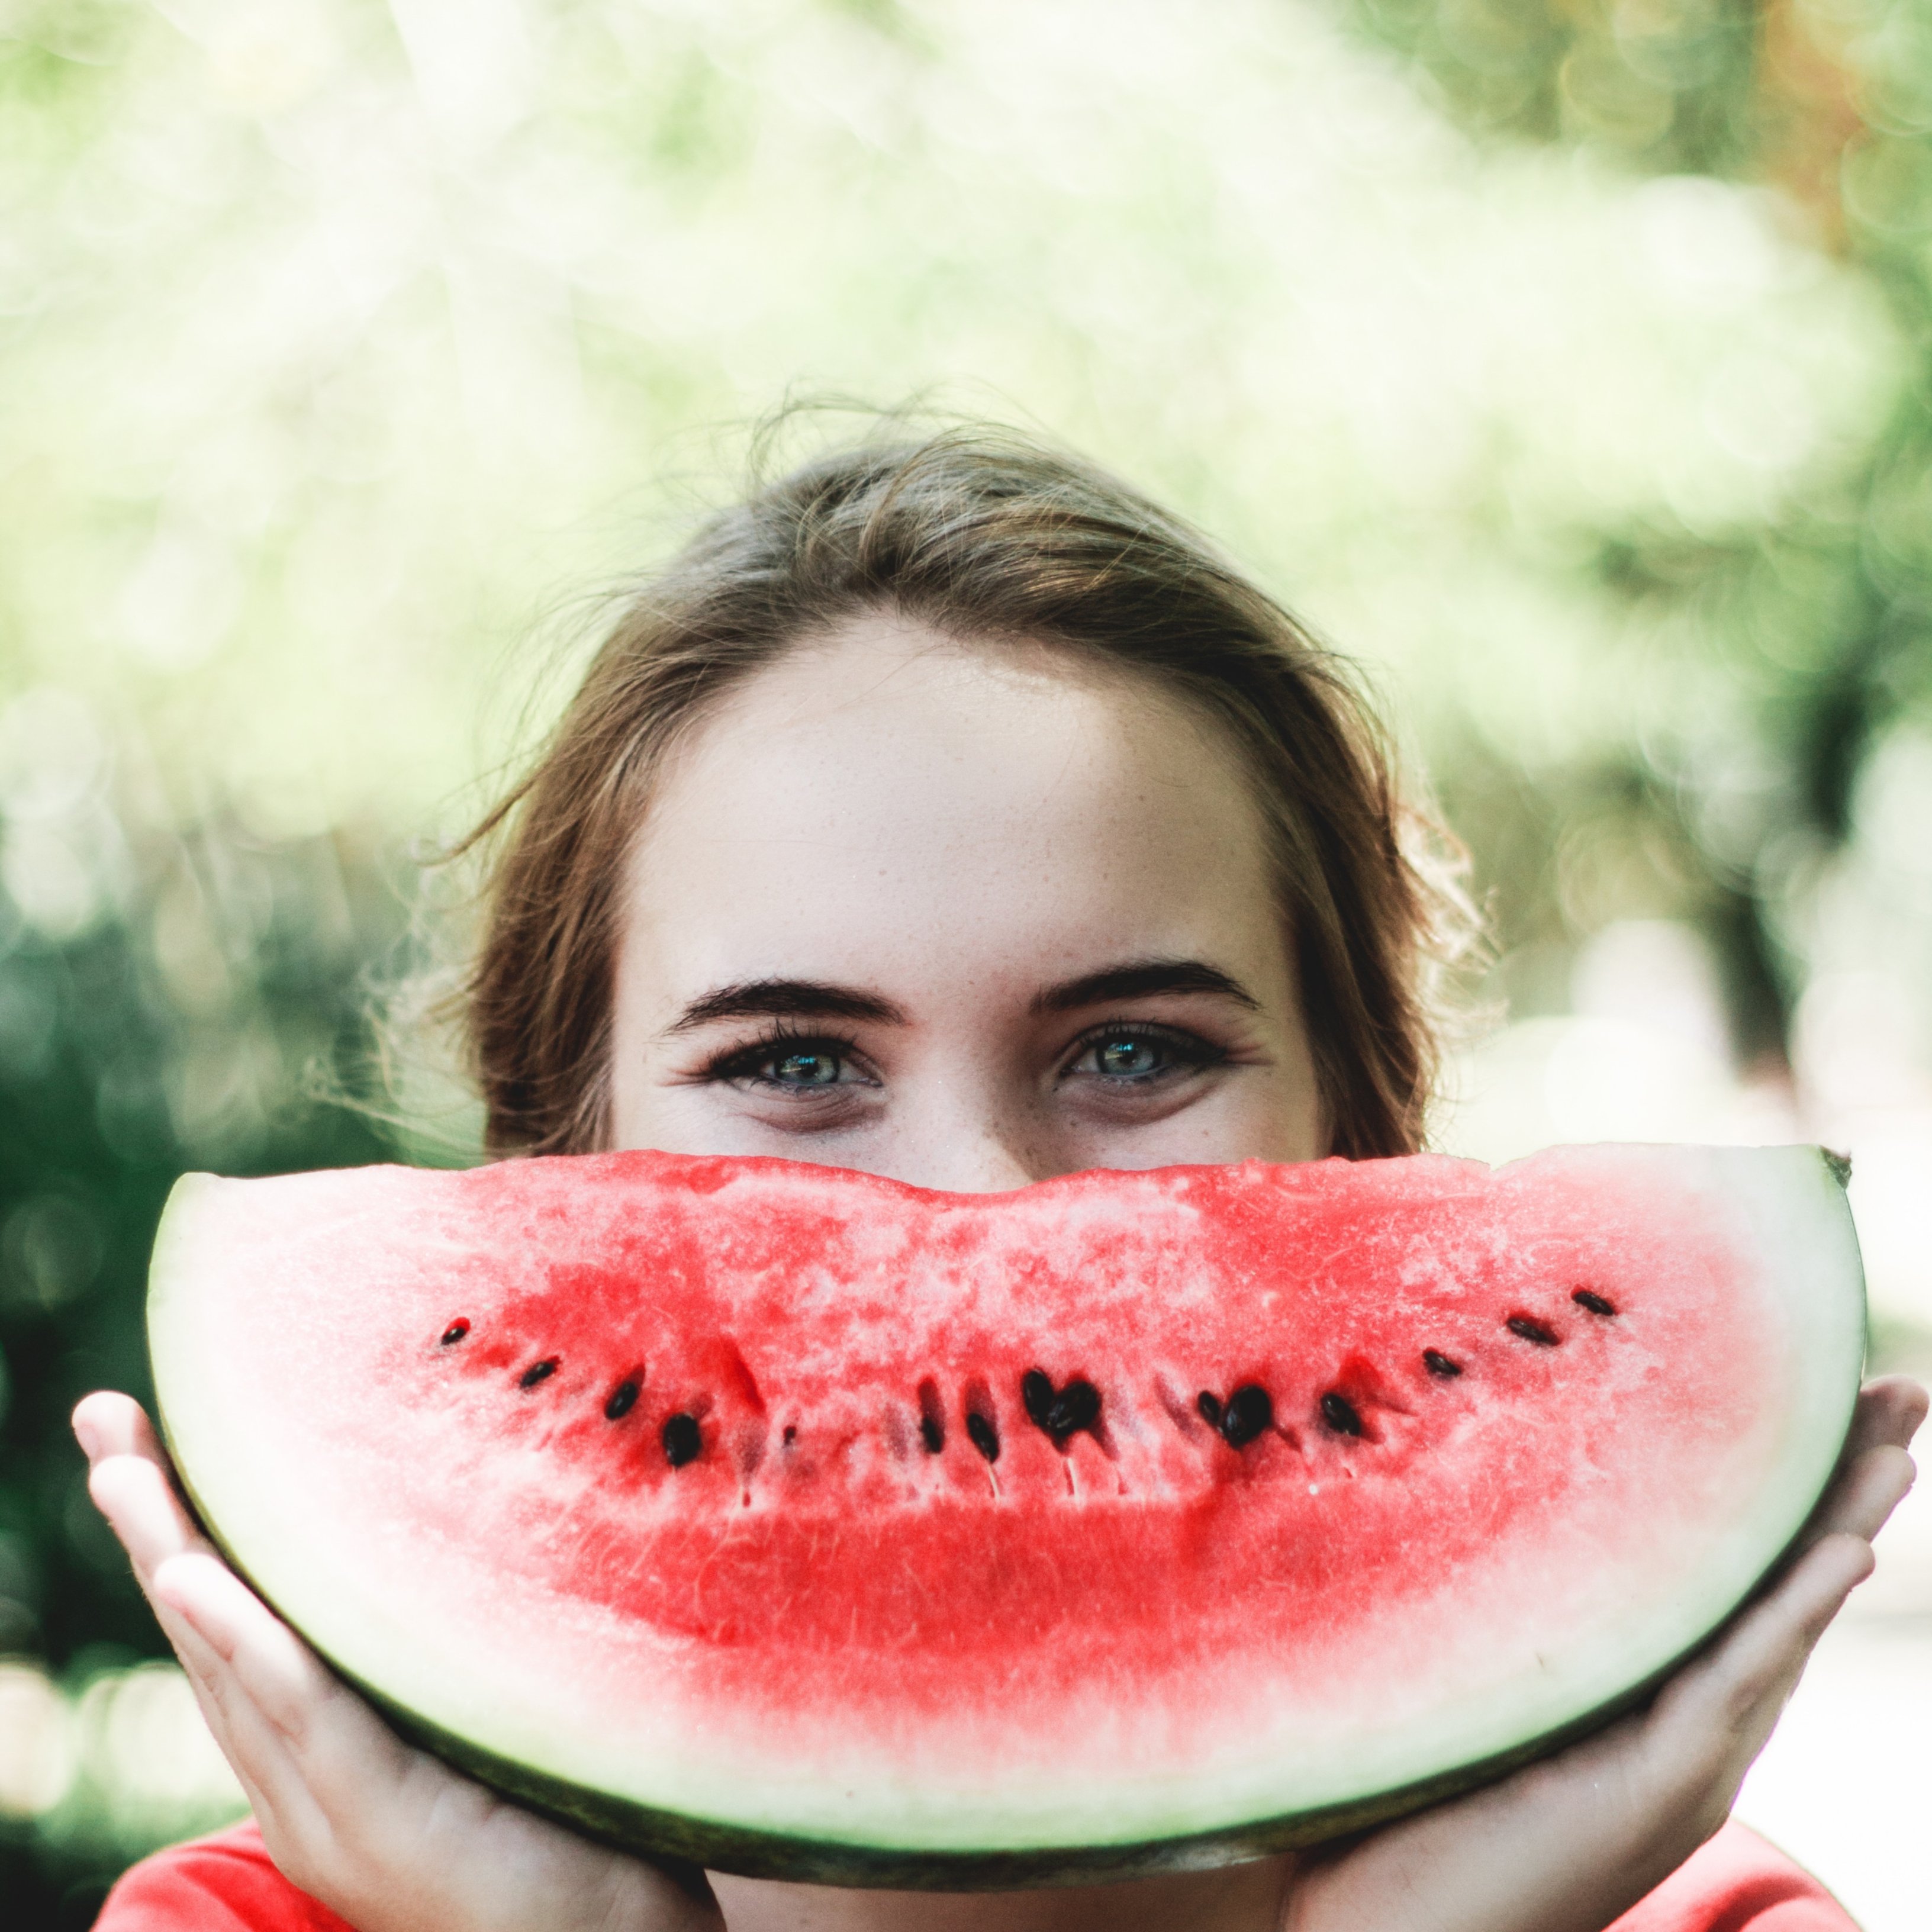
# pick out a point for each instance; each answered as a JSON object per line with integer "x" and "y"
{"x": 226, "y": 1882}
{"x": 1738, "y": 1883}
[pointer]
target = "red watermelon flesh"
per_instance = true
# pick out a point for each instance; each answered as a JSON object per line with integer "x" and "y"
{"x": 804, "y": 1522}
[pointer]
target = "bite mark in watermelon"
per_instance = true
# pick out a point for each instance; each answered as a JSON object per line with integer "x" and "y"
{"x": 807, "y": 1525}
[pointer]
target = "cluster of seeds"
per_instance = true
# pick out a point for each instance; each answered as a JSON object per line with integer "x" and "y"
{"x": 1061, "y": 1413}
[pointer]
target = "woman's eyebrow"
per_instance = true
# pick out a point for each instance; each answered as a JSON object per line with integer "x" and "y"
{"x": 755, "y": 999}
{"x": 1139, "y": 980}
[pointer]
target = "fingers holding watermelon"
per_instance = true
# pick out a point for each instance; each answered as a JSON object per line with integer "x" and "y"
{"x": 385, "y": 1835}
{"x": 295, "y": 1733}
{"x": 1569, "y": 1843}
{"x": 391, "y": 1838}
{"x": 1874, "y": 1472}
{"x": 129, "y": 1481}
{"x": 131, "y": 1485}
{"x": 1890, "y": 1411}
{"x": 1711, "y": 1719}
{"x": 1707, "y": 1725}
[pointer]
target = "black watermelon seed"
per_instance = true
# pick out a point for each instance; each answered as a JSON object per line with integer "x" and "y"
{"x": 931, "y": 1417}
{"x": 1036, "y": 1392}
{"x": 1077, "y": 1406}
{"x": 623, "y": 1399}
{"x": 1209, "y": 1404}
{"x": 682, "y": 1438}
{"x": 1532, "y": 1329}
{"x": 1340, "y": 1414}
{"x": 790, "y": 1433}
{"x": 537, "y": 1372}
{"x": 1438, "y": 1364}
{"x": 1250, "y": 1409}
{"x": 455, "y": 1332}
{"x": 1060, "y": 1413}
{"x": 985, "y": 1437}
{"x": 1597, "y": 1304}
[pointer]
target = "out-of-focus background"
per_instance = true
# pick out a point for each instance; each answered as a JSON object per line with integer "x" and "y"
{"x": 1570, "y": 361}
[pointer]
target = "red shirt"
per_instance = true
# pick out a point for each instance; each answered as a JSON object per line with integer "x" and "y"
{"x": 227, "y": 1883}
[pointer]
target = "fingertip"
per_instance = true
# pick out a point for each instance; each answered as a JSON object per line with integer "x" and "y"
{"x": 186, "y": 1583}
{"x": 190, "y": 1571}
{"x": 1813, "y": 1590}
{"x": 1893, "y": 1472}
{"x": 1871, "y": 1488}
{"x": 102, "y": 1423}
{"x": 223, "y": 1610}
{"x": 1833, "y": 1567}
{"x": 1892, "y": 1410}
{"x": 1855, "y": 1551}
{"x": 141, "y": 1508}
{"x": 1914, "y": 1406}
{"x": 111, "y": 1480}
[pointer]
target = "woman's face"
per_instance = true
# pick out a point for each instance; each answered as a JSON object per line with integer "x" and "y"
{"x": 958, "y": 917}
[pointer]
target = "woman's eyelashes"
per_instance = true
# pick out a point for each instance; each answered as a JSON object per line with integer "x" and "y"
{"x": 794, "y": 1066}
{"x": 1123, "y": 1067}
{"x": 1123, "y": 1056}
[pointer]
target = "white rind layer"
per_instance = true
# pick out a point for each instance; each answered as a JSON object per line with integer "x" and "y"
{"x": 1788, "y": 1214}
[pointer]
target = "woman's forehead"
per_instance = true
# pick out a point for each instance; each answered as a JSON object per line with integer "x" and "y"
{"x": 892, "y": 733}
{"x": 891, "y": 787}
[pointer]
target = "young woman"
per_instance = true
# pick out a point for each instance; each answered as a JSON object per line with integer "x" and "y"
{"x": 947, "y": 810}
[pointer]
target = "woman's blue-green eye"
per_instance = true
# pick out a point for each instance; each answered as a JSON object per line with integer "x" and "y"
{"x": 1127, "y": 1059}
{"x": 1142, "y": 1056}
{"x": 807, "y": 1068}
{"x": 793, "y": 1066}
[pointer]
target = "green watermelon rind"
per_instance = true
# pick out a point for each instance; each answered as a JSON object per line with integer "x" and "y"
{"x": 677, "y": 1838}
{"x": 669, "y": 1837}
{"x": 870, "y": 1859}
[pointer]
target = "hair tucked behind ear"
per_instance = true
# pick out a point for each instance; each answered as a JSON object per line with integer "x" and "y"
{"x": 981, "y": 534}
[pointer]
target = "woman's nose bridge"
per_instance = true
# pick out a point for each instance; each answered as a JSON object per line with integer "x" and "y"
{"x": 992, "y": 1163}
{"x": 979, "y": 1142}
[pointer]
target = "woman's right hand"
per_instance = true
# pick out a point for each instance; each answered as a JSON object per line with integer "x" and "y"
{"x": 385, "y": 1836}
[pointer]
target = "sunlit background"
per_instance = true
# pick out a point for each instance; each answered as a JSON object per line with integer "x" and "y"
{"x": 1569, "y": 362}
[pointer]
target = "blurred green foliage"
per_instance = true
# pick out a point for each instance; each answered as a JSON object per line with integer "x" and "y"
{"x": 1815, "y": 617}
{"x": 192, "y": 1027}
{"x": 1673, "y": 84}
{"x": 1571, "y": 362}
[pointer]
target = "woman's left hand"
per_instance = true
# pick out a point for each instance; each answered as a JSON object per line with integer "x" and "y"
{"x": 1571, "y": 1842}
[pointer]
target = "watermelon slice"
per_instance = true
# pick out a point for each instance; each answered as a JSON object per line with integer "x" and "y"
{"x": 807, "y": 1525}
